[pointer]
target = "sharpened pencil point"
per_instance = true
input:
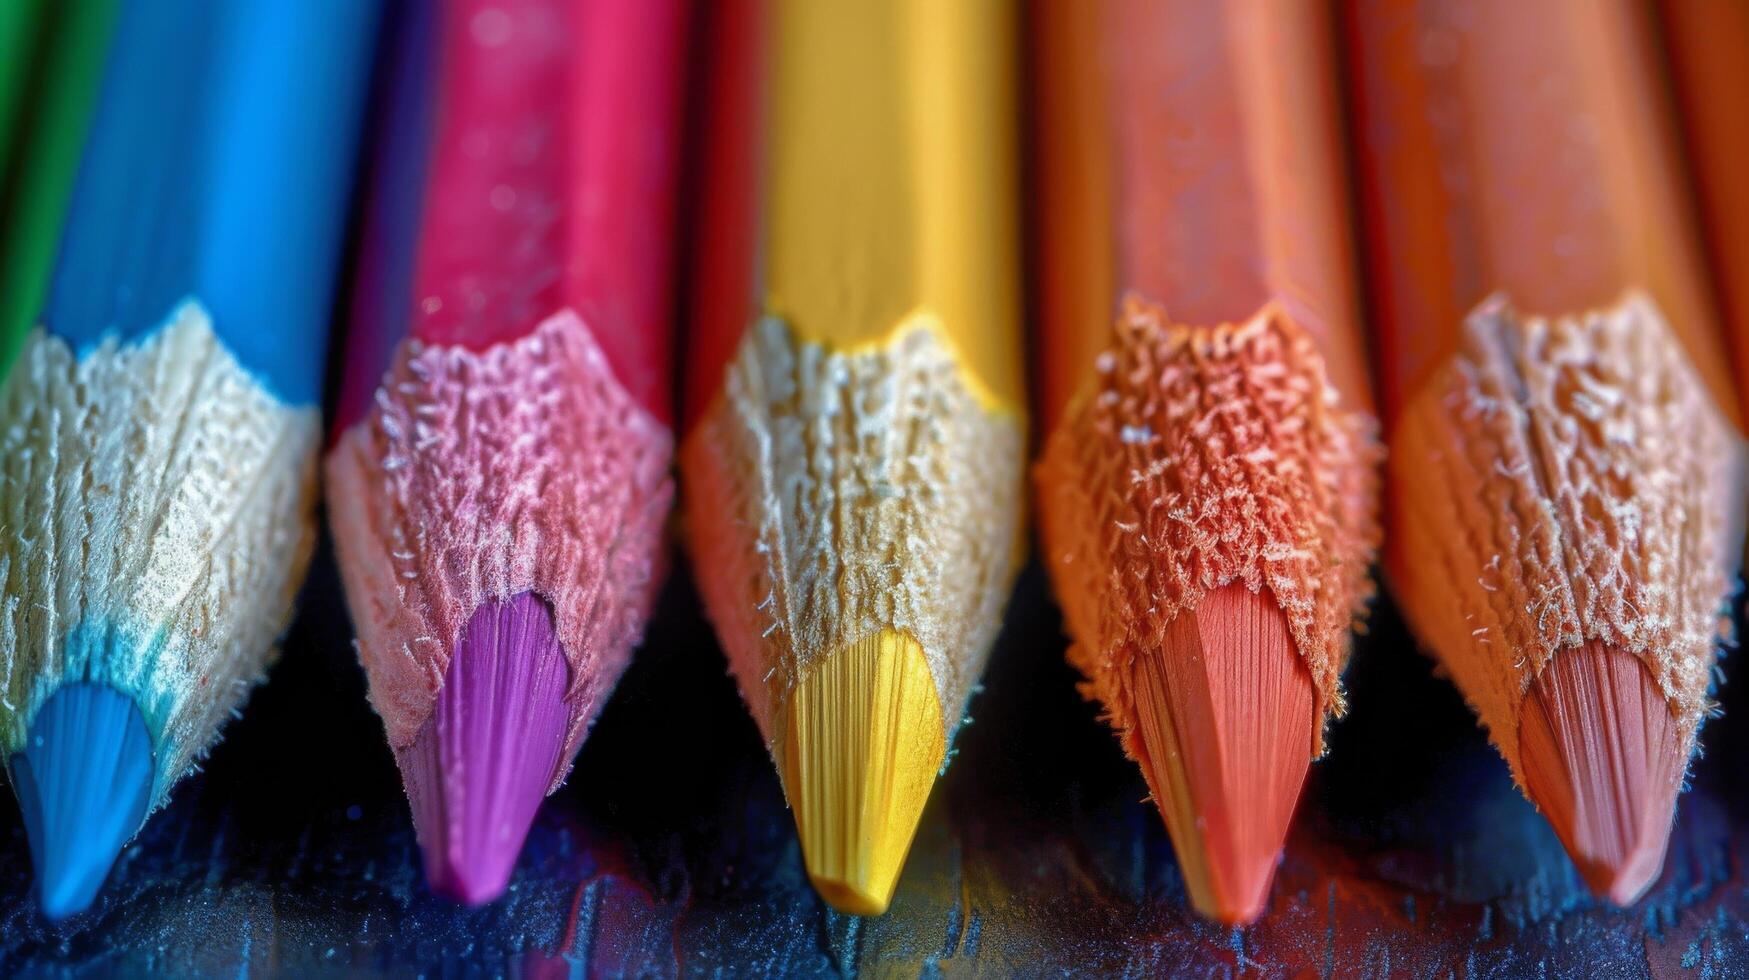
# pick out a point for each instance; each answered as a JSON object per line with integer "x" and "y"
{"x": 484, "y": 759}
{"x": 864, "y": 742}
{"x": 1603, "y": 760}
{"x": 83, "y": 781}
{"x": 1226, "y": 719}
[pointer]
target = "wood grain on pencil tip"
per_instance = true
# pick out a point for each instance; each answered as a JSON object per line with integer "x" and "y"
{"x": 1208, "y": 485}
{"x": 159, "y": 431}
{"x": 854, "y": 432}
{"x": 1565, "y": 468}
{"x": 498, "y": 481}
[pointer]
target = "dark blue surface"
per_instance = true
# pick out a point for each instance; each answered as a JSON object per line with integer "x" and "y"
{"x": 219, "y": 168}
{"x": 83, "y": 781}
{"x": 670, "y": 851}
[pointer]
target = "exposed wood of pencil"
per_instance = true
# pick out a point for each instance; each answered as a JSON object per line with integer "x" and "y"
{"x": 1207, "y": 488}
{"x": 1709, "y": 60}
{"x": 854, "y": 421}
{"x": 1564, "y": 467}
{"x": 160, "y": 427}
{"x": 499, "y": 482}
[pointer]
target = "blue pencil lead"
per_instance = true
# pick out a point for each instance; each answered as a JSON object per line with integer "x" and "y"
{"x": 83, "y": 781}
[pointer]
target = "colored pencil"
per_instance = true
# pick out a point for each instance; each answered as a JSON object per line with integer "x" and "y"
{"x": 498, "y": 483}
{"x": 159, "y": 433}
{"x": 38, "y": 180}
{"x": 19, "y": 30}
{"x": 1565, "y": 465}
{"x": 1708, "y": 47}
{"x": 854, "y": 411}
{"x": 1207, "y": 490}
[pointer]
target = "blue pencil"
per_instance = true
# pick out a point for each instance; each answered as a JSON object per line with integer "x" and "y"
{"x": 159, "y": 433}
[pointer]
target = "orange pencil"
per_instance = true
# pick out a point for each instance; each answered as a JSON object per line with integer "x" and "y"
{"x": 1207, "y": 490}
{"x": 1708, "y": 46}
{"x": 1564, "y": 476}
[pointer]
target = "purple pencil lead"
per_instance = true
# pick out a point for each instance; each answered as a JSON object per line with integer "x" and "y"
{"x": 484, "y": 759}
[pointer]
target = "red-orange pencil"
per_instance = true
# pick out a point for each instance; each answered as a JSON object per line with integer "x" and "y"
{"x": 1708, "y": 46}
{"x": 1207, "y": 490}
{"x": 1564, "y": 464}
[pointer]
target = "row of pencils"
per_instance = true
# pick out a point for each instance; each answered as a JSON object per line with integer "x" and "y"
{"x": 1562, "y": 491}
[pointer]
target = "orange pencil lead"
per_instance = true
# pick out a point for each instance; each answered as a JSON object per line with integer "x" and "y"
{"x": 1566, "y": 456}
{"x": 1222, "y": 712}
{"x": 1207, "y": 492}
{"x": 1603, "y": 759}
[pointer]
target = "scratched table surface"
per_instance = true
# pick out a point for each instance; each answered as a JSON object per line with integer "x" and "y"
{"x": 670, "y": 852}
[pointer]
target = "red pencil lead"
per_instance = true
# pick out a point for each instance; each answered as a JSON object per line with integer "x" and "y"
{"x": 1603, "y": 759}
{"x": 1222, "y": 716}
{"x": 1566, "y": 458}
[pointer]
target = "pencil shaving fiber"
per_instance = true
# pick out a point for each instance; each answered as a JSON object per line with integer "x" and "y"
{"x": 1200, "y": 457}
{"x": 165, "y": 533}
{"x": 1562, "y": 481}
{"x": 525, "y": 467}
{"x": 885, "y": 497}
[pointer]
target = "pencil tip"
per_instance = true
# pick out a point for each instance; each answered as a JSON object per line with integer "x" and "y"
{"x": 1603, "y": 760}
{"x": 864, "y": 742}
{"x": 83, "y": 781}
{"x": 480, "y": 765}
{"x": 1226, "y": 718}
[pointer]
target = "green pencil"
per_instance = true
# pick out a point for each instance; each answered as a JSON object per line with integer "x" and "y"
{"x": 18, "y": 26}
{"x": 39, "y": 172}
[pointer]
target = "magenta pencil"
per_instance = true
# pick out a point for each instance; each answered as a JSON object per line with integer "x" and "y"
{"x": 499, "y": 477}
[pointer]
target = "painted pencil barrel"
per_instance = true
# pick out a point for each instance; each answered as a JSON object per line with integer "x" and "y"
{"x": 1708, "y": 54}
{"x": 498, "y": 478}
{"x": 854, "y": 417}
{"x": 19, "y": 31}
{"x": 1207, "y": 490}
{"x": 160, "y": 425}
{"x": 65, "y": 72}
{"x": 1565, "y": 463}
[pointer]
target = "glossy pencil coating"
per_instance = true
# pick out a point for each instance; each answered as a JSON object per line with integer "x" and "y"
{"x": 202, "y": 175}
{"x": 1207, "y": 490}
{"x": 64, "y": 73}
{"x": 499, "y": 472}
{"x": 853, "y": 418}
{"x": 1708, "y": 54}
{"x": 1565, "y": 464}
{"x": 158, "y": 434}
{"x": 19, "y": 30}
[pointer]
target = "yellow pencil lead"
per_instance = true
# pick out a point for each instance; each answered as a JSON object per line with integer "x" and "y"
{"x": 862, "y": 744}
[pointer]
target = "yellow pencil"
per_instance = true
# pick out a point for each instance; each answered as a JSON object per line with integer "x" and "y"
{"x": 853, "y": 457}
